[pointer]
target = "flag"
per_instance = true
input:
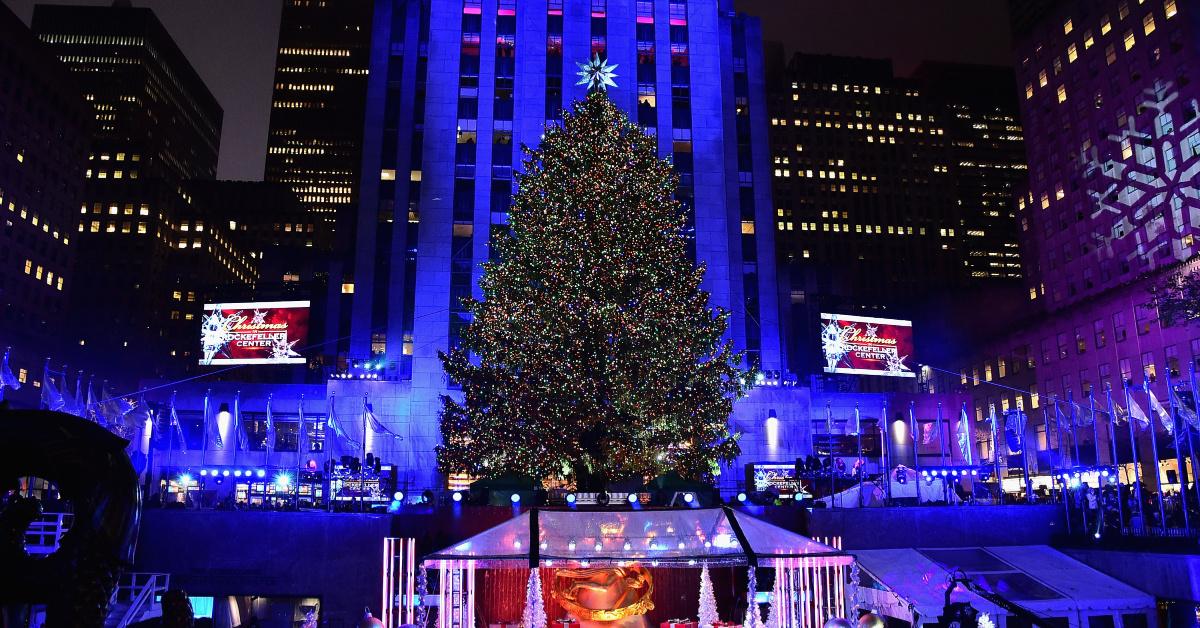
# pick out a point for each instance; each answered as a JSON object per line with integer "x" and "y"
{"x": 912, "y": 420}
{"x": 857, "y": 421}
{"x": 1185, "y": 400}
{"x": 379, "y": 428}
{"x": 113, "y": 410}
{"x": 91, "y": 410}
{"x": 7, "y": 379}
{"x": 77, "y": 406}
{"x": 176, "y": 427}
{"x": 301, "y": 446}
{"x": 964, "y": 435}
{"x": 239, "y": 430}
{"x": 270, "y": 427}
{"x": 52, "y": 399}
{"x": 1137, "y": 415}
{"x": 137, "y": 417}
{"x": 926, "y": 433}
{"x": 331, "y": 423}
{"x": 212, "y": 431}
{"x": 1157, "y": 408}
{"x": 1014, "y": 431}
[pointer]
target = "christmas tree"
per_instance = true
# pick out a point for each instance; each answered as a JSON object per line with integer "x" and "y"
{"x": 708, "y": 601}
{"x": 593, "y": 354}
{"x": 534, "y": 615}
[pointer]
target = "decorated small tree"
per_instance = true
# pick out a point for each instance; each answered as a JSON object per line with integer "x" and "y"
{"x": 535, "y": 611}
{"x": 593, "y": 354}
{"x": 708, "y": 600}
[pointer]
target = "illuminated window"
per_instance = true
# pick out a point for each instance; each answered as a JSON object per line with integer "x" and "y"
{"x": 1148, "y": 23}
{"x": 1042, "y": 79}
{"x": 1072, "y": 53}
{"x": 1088, "y": 40}
{"x": 38, "y": 272}
{"x": 387, "y": 174}
{"x": 1028, "y": 91}
{"x": 1126, "y": 148}
{"x": 347, "y": 288}
{"x": 28, "y": 266}
{"x": 1169, "y": 6}
{"x": 747, "y": 227}
{"x": 59, "y": 285}
{"x": 1062, "y": 93}
{"x": 1129, "y": 40}
{"x": 1105, "y": 25}
{"x": 1068, "y": 26}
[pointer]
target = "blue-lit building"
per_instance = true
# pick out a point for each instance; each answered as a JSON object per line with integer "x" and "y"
{"x": 455, "y": 89}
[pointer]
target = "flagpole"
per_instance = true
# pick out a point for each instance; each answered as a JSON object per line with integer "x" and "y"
{"x": 996, "y": 452}
{"x": 1191, "y": 447}
{"x": 362, "y": 467}
{"x": 1162, "y": 514}
{"x": 860, "y": 462}
{"x": 1095, "y": 431}
{"x": 170, "y": 445}
{"x": 1077, "y": 462}
{"x": 237, "y": 410}
{"x": 885, "y": 450}
{"x": 828, "y": 440}
{"x": 1112, "y": 441}
{"x": 916, "y": 439}
{"x": 204, "y": 420}
{"x": 299, "y": 454}
{"x": 1137, "y": 474}
{"x": 1183, "y": 498}
{"x": 1063, "y": 484}
{"x": 1055, "y": 480}
{"x": 1025, "y": 454}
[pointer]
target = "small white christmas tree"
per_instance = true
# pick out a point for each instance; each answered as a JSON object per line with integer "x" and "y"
{"x": 753, "y": 618}
{"x": 773, "y": 607}
{"x": 708, "y": 600}
{"x": 535, "y": 612}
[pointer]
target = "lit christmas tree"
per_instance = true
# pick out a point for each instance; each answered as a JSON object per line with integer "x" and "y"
{"x": 534, "y": 615}
{"x": 708, "y": 601}
{"x": 593, "y": 354}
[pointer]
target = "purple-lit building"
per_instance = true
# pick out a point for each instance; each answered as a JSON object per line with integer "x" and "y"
{"x": 1110, "y": 110}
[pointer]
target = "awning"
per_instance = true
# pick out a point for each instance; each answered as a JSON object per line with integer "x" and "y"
{"x": 1036, "y": 577}
{"x": 678, "y": 538}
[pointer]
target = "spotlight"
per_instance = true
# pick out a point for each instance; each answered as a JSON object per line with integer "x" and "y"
{"x": 1104, "y": 473}
{"x": 398, "y": 496}
{"x": 282, "y": 481}
{"x": 261, "y": 473}
{"x": 681, "y": 545}
{"x": 571, "y": 545}
{"x": 943, "y": 473}
{"x": 598, "y": 546}
{"x": 515, "y": 498}
{"x": 974, "y": 471}
{"x": 203, "y": 472}
{"x": 457, "y": 496}
{"x": 741, "y": 497}
{"x": 632, "y": 498}
{"x": 225, "y": 473}
{"x": 571, "y": 498}
{"x": 237, "y": 473}
{"x": 627, "y": 546}
{"x": 1096, "y": 535}
{"x": 185, "y": 479}
{"x": 689, "y": 497}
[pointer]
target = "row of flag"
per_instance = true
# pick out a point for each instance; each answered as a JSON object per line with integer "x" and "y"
{"x": 116, "y": 413}
{"x": 926, "y": 432}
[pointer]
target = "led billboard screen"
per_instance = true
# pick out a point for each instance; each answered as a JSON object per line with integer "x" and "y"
{"x": 864, "y": 345}
{"x": 265, "y": 332}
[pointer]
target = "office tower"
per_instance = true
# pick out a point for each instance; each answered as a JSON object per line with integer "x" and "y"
{"x": 156, "y": 125}
{"x": 457, "y": 87}
{"x": 1109, "y": 107}
{"x": 890, "y": 192}
{"x": 44, "y": 129}
{"x": 315, "y": 138}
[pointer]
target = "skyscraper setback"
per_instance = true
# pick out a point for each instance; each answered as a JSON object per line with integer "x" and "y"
{"x": 315, "y": 138}
{"x": 156, "y": 126}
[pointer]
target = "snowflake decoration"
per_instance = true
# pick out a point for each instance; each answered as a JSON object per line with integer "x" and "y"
{"x": 596, "y": 74}
{"x": 260, "y": 317}
{"x": 872, "y": 331}
{"x": 984, "y": 620}
{"x": 216, "y": 331}
{"x": 895, "y": 364}
{"x": 281, "y": 349}
{"x": 835, "y": 342}
{"x": 1148, "y": 184}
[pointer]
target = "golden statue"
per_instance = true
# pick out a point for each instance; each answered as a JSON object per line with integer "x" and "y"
{"x": 606, "y": 597}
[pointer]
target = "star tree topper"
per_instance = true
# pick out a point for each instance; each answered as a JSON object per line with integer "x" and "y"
{"x": 596, "y": 74}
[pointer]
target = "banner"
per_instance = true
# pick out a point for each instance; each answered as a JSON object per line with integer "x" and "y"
{"x": 253, "y": 333}
{"x": 863, "y": 345}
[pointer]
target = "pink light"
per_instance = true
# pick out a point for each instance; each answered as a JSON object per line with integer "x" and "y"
{"x": 472, "y": 10}
{"x": 506, "y": 11}
{"x": 554, "y": 12}
{"x": 645, "y": 19}
{"x": 598, "y": 14}
{"x": 678, "y": 21}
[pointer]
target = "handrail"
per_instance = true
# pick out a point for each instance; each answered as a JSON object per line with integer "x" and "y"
{"x": 143, "y": 595}
{"x": 44, "y": 535}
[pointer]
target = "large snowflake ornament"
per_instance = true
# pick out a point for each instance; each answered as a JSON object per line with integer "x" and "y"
{"x": 596, "y": 74}
{"x": 835, "y": 342}
{"x": 895, "y": 364}
{"x": 260, "y": 317}
{"x": 282, "y": 349}
{"x": 216, "y": 331}
{"x": 1147, "y": 183}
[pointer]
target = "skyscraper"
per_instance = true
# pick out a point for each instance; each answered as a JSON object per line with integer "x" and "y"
{"x": 156, "y": 126}
{"x": 891, "y": 191}
{"x": 44, "y": 130}
{"x": 456, "y": 87}
{"x": 315, "y": 138}
{"x": 1111, "y": 210}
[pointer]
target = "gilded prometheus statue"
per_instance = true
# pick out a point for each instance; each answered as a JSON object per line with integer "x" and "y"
{"x": 606, "y": 596}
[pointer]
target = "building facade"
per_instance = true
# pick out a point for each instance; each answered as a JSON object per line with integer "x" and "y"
{"x": 1111, "y": 211}
{"x": 315, "y": 137}
{"x": 147, "y": 251}
{"x": 456, "y": 88}
{"x": 44, "y": 129}
{"x": 892, "y": 195}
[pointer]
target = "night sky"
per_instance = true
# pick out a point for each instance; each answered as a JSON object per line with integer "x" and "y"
{"x": 232, "y": 45}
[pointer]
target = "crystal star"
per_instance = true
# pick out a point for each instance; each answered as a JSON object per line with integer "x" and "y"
{"x": 596, "y": 74}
